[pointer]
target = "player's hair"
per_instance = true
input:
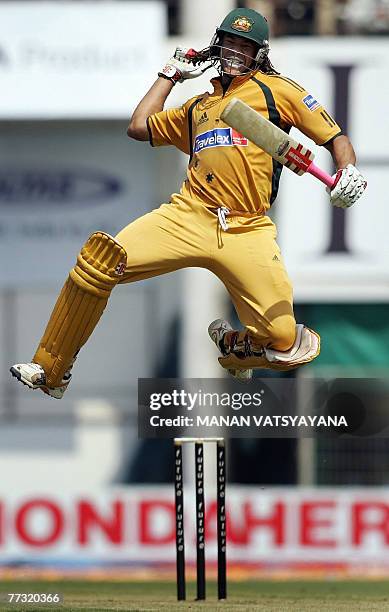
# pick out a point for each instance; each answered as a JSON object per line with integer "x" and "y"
{"x": 267, "y": 67}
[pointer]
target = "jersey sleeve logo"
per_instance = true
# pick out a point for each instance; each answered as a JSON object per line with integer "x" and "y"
{"x": 219, "y": 137}
{"x": 311, "y": 103}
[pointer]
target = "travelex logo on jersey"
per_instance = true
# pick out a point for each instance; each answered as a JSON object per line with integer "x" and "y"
{"x": 311, "y": 103}
{"x": 219, "y": 137}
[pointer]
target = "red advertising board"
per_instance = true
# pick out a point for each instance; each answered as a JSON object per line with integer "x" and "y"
{"x": 136, "y": 525}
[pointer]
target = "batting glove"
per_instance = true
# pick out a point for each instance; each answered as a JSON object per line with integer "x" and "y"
{"x": 181, "y": 66}
{"x": 348, "y": 187}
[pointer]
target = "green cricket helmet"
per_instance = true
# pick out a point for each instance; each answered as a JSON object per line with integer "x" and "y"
{"x": 245, "y": 23}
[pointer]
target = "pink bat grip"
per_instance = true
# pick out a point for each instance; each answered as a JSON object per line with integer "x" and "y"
{"x": 321, "y": 175}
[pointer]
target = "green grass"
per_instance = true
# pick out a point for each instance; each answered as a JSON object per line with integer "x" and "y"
{"x": 269, "y": 596}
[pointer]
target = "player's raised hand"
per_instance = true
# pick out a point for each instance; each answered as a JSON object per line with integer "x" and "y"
{"x": 182, "y": 66}
{"x": 348, "y": 187}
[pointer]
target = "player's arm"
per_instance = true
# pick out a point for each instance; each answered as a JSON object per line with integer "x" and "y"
{"x": 179, "y": 68}
{"x": 341, "y": 150}
{"x": 302, "y": 110}
{"x": 349, "y": 183}
{"x": 153, "y": 102}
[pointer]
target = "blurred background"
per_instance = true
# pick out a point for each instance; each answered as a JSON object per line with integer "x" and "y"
{"x": 77, "y": 486}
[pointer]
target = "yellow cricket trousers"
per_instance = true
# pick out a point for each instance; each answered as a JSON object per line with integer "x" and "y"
{"x": 246, "y": 258}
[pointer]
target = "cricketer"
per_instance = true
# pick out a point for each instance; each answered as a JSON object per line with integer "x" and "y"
{"x": 217, "y": 221}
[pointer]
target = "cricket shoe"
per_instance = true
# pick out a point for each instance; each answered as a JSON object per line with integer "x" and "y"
{"x": 217, "y": 330}
{"x": 33, "y": 376}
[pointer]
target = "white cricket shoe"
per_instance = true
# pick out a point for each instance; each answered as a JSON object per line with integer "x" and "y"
{"x": 33, "y": 375}
{"x": 217, "y": 330}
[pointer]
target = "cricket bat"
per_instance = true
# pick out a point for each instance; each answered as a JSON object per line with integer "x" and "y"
{"x": 280, "y": 145}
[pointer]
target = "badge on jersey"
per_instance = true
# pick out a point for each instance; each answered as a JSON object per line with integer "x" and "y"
{"x": 311, "y": 103}
{"x": 219, "y": 137}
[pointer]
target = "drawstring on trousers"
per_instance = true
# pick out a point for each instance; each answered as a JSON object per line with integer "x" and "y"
{"x": 222, "y": 213}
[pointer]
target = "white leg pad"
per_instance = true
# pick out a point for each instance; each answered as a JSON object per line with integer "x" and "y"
{"x": 305, "y": 348}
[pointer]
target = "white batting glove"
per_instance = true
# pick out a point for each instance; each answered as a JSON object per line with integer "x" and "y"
{"x": 181, "y": 67}
{"x": 348, "y": 187}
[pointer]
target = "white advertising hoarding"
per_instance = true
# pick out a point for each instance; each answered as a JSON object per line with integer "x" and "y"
{"x": 77, "y": 59}
{"x": 59, "y": 183}
{"x": 273, "y": 527}
{"x": 333, "y": 255}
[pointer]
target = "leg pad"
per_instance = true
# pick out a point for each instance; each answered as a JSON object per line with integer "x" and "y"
{"x": 80, "y": 304}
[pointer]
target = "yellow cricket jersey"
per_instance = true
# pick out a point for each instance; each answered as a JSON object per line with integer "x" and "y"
{"x": 225, "y": 169}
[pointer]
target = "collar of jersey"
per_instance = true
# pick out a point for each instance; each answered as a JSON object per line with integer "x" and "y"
{"x": 237, "y": 82}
